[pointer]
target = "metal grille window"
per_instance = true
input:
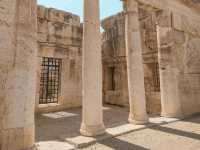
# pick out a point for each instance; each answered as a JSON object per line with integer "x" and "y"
{"x": 50, "y": 80}
{"x": 156, "y": 78}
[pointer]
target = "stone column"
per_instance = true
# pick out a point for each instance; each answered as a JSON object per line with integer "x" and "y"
{"x": 169, "y": 72}
{"x": 92, "y": 123}
{"x": 135, "y": 68}
{"x": 18, "y": 48}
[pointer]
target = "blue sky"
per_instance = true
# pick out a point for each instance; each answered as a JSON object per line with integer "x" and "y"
{"x": 108, "y": 7}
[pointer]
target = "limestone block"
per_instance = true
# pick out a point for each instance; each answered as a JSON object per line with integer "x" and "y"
{"x": 164, "y": 18}
{"x": 189, "y": 89}
{"x": 42, "y": 26}
{"x": 177, "y": 22}
{"x": 192, "y": 55}
{"x": 42, "y": 12}
{"x": 63, "y": 41}
{"x": 63, "y": 30}
{"x": 153, "y": 103}
{"x": 186, "y": 24}
{"x": 51, "y": 28}
{"x": 29, "y": 136}
{"x": 61, "y": 16}
{"x": 55, "y": 15}
{"x": 76, "y": 21}
{"x": 177, "y": 57}
{"x": 165, "y": 37}
{"x": 67, "y": 31}
{"x": 178, "y": 37}
{"x": 52, "y": 39}
{"x": 115, "y": 20}
{"x": 46, "y": 51}
{"x": 76, "y": 32}
{"x": 13, "y": 139}
{"x": 42, "y": 37}
{"x": 18, "y": 138}
{"x": 114, "y": 97}
{"x": 74, "y": 52}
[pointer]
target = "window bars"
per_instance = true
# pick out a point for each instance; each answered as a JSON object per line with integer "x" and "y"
{"x": 49, "y": 80}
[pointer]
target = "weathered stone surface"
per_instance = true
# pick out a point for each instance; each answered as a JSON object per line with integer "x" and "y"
{"x": 114, "y": 56}
{"x": 60, "y": 36}
{"x": 179, "y": 56}
{"x": 115, "y": 84}
{"x": 92, "y": 123}
{"x": 135, "y": 69}
{"x": 186, "y": 24}
{"x": 18, "y": 73}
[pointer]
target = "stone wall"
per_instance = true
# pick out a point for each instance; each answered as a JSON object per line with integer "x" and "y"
{"x": 60, "y": 36}
{"x": 179, "y": 50}
{"x": 115, "y": 84}
{"x": 150, "y": 59}
{"x": 114, "y": 56}
{"x": 18, "y": 48}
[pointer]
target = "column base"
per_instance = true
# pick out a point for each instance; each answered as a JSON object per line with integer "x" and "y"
{"x": 132, "y": 120}
{"x": 92, "y": 130}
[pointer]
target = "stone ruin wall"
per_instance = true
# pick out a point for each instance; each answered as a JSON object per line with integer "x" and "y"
{"x": 180, "y": 58}
{"x": 150, "y": 58}
{"x": 114, "y": 56}
{"x": 60, "y": 36}
{"x": 115, "y": 86}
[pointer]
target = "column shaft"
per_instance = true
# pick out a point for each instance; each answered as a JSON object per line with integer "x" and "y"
{"x": 18, "y": 46}
{"x": 135, "y": 68}
{"x": 92, "y": 123}
{"x": 169, "y": 72}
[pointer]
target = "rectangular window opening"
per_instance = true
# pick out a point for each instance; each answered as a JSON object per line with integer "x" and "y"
{"x": 49, "y": 80}
{"x": 111, "y": 75}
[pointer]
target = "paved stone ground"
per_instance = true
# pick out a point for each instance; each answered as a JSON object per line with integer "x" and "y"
{"x": 180, "y": 135}
{"x": 66, "y": 124}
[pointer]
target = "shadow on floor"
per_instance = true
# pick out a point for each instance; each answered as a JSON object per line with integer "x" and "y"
{"x": 176, "y": 132}
{"x": 66, "y": 124}
{"x": 194, "y": 119}
{"x": 117, "y": 144}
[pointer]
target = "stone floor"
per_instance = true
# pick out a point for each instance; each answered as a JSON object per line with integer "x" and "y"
{"x": 177, "y": 135}
{"x": 66, "y": 124}
{"x": 180, "y": 135}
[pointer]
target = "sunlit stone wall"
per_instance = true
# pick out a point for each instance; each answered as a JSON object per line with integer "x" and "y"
{"x": 114, "y": 56}
{"x": 60, "y": 36}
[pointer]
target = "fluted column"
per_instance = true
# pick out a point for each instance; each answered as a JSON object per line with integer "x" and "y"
{"x": 92, "y": 118}
{"x": 135, "y": 69}
{"x": 18, "y": 51}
